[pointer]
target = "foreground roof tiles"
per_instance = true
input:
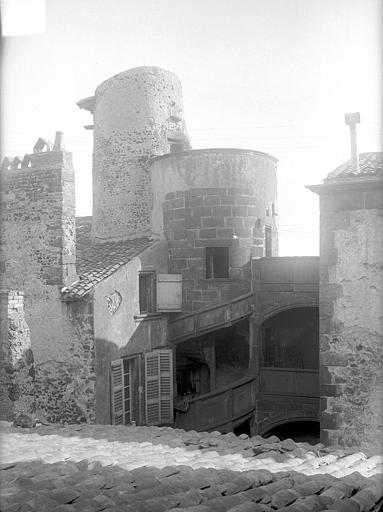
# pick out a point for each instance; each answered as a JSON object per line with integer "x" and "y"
{"x": 95, "y": 262}
{"x": 160, "y": 469}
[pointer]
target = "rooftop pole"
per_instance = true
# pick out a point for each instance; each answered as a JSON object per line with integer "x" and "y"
{"x": 352, "y": 120}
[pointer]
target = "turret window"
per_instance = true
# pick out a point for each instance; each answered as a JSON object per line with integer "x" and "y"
{"x": 217, "y": 262}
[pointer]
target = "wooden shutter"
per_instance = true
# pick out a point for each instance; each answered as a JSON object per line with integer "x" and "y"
{"x": 117, "y": 402}
{"x": 159, "y": 387}
{"x": 169, "y": 292}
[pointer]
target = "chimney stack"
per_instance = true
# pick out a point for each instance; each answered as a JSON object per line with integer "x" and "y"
{"x": 352, "y": 120}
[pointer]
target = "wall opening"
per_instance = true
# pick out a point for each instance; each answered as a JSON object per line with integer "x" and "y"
{"x": 290, "y": 339}
{"x": 299, "y": 431}
{"x": 217, "y": 262}
{"x": 243, "y": 428}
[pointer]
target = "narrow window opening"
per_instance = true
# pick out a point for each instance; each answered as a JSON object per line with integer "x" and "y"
{"x": 268, "y": 242}
{"x": 147, "y": 292}
{"x": 217, "y": 262}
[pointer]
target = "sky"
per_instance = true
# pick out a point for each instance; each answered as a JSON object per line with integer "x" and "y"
{"x": 270, "y": 75}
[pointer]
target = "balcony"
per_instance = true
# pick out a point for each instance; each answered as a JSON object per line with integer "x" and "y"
{"x": 222, "y": 409}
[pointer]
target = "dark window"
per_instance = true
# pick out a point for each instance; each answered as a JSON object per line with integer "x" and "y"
{"x": 217, "y": 262}
{"x": 147, "y": 292}
{"x": 268, "y": 242}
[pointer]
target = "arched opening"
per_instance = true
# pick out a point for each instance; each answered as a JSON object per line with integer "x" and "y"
{"x": 243, "y": 428}
{"x": 290, "y": 339}
{"x": 299, "y": 431}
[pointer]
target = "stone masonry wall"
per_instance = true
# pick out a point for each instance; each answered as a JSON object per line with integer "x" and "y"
{"x": 65, "y": 385}
{"x": 38, "y": 251}
{"x": 17, "y": 371}
{"x": 351, "y": 323}
{"x": 136, "y": 113}
{"x": 208, "y": 217}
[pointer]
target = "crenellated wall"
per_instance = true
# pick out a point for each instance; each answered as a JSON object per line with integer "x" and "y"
{"x": 38, "y": 253}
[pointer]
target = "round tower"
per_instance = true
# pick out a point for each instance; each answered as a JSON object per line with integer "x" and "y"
{"x": 217, "y": 208}
{"x": 138, "y": 114}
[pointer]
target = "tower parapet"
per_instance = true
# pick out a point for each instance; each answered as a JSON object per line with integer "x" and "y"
{"x": 38, "y": 216}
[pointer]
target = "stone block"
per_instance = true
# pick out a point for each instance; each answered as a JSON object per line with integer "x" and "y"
{"x": 201, "y": 211}
{"x": 208, "y": 233}
{"x": 228, "y": 200}
{"x": 330, "y": 390}
{"x": 240, "y": 211}
{"x": 193, "y": 201}
{"x": 211, "y": 200}
{"x": 234, "y": 222}
{"x": 210, "y": 222}
{"x": 222, "y": 211}
{"x": 192, "y": 223}
{"x": 179, "y": 234}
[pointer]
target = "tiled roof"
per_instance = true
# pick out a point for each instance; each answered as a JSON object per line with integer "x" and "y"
{"x": 370, "y": 164}
{"x": 95, "y": 262}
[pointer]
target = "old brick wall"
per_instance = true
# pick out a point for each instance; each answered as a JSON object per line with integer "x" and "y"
{"x": 135, "y": 114}
{"x": 351, "y": 314}
{"x": 38, "y": 248}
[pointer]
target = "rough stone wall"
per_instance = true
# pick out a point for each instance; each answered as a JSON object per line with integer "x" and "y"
{"x": 65, "y": 384}
{"x": 210, "y": 217}
{"x": 136, "y": 113}
{"x": 351, "y": 310}
{"x": 17, "y": 371}
{"x": 38, "y": 251}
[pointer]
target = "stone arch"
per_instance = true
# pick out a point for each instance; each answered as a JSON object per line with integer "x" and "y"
{"x": 291, "y": 333}
{"x": 293, "y": 417}
{"x": 280, "y": 308}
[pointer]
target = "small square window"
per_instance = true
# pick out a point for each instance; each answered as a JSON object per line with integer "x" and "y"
{"x": 147, "y": 292}
{"x": 217, "y": 262}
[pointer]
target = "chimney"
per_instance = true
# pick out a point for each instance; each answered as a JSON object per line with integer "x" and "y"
{"x": 352, "y": 120}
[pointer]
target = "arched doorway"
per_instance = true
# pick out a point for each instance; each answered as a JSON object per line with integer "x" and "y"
{"x": 298, "y": 430}
{"x": 288, "y": 385}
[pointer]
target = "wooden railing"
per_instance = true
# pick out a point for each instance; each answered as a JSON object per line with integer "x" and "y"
{"x": 221, "y": 409}
{"x": 289, "y": 381}
{"x": 211, "y": 318}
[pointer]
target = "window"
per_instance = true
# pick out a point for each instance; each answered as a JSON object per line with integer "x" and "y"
{"x": 169, "y": 292}
{"x": 121, "y": 387}
{"x": 147, "y": 292}
{"x": 217, "y": 262}
{"x": 159, "y": 387}
{"x": 268, "y": 242}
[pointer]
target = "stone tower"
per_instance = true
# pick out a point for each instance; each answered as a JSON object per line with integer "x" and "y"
{"x": 350, "y": 291}
{"x": 138, "y": 114}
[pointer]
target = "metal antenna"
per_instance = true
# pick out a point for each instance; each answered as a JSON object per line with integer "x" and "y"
{"x": 352, "y": 120}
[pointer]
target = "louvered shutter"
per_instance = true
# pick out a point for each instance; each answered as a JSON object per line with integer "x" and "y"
{"x": 117, "y": 375}
{"x": 169, "y": 292}
{"x": 159, "y": 387}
